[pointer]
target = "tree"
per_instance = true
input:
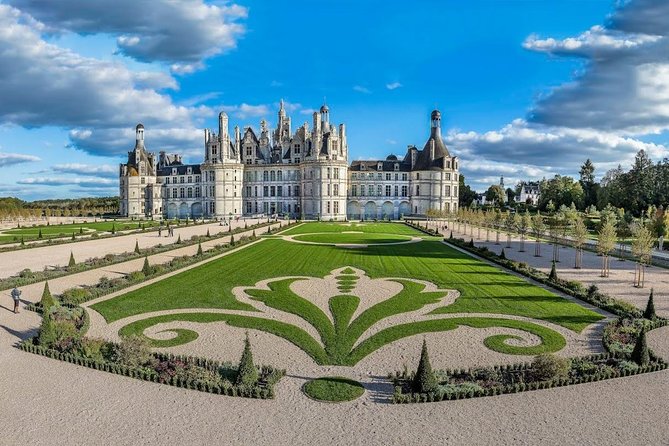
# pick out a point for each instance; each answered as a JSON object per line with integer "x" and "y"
{"x": 552, "y": 276}
{"x": 649, "y": 312}
{"x": 113, "y": 229}
{"x": 580, "y": 236}
{"x": 465, "y": 193}
{"x": 199, "y": 249}
{"x": 39, "y": 234}
{"x": 538, "y": 228}
{"x": 146, "y": 268}
{"x": 509, "y": 224}
{"x": 495, "y": 195}
{"x": 72, "y": 262}
{"x": 587, "y": 180}
{"x": 640, "y": 354}
{"x": 640, "y": 184}
{"x": 247, "y": 373}
{"x": 606, "y": 241}
{"x": 424, "y": 380}
{"x": 47, "y": 300}
{"x": 560, "y": 191}
{"x": 660, "y": 225}
{"x": 136, "y": 247}
{"x": 642, "y": 249}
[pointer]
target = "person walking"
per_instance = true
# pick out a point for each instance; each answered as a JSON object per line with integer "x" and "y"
{"x": 16, "y": 295}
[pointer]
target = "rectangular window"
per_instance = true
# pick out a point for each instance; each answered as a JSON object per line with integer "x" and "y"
{"x": 181, "y": 192}
{"x": 388, "y": 177}
{"x": 181, "y": 179}
{"x": 279, "y": 176}
{"x": 289, "y": 191}
{"x": 448, "y": 191}
{"x": 336, "y": 190}
{"x": 265, "y": 191}
{"x": 248, "y": 191}
{"x": 336, "y": 173}
{"x": 328, "y": 194}
{"x": 328, "y": 207}
{"x": 388, "y": 191}
{"x": 396, "y": 191}
{"x": 279, "y": 191}
{"x": 417, "y": 191}
{"x": 190, "y": 179}
{"x": 354, "y": 190}
{"x": 370, "y": 190}
{"x": 448, "y": 176}
{"x": 272, "y": 191}
{"x": 297, "y": 191}
{"x": 404, "y": 177}
{"x": 336, "y": 207}
{"x": 379, "y": 176}
{"x": 379, "y": 190}
{"x": 328, "y": 173}
{"x": 190, "y": 192}
{"x": 405, "y": 190}
{"x": 197, "y": 192}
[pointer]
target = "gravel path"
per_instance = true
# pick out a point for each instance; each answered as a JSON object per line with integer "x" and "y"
{"x": 37, "y": 259}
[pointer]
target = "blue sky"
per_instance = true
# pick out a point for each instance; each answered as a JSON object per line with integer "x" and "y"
{"x": 527, "y": 89}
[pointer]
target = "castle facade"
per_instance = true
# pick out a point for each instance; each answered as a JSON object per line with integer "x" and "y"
{"x": 302, "y": 174}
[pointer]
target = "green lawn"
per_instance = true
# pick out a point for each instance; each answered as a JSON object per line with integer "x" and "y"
{"x": 383, "y": 228}
{"x": 333, "y": 389}
{"x": 483, "y": 288}
{"x": 359, "y": 239}
{"x": 68, "y": 229}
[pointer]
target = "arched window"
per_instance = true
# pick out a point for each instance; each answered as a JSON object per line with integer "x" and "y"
{"x": 279, "y": 175}
{"x": 265, "y": 176}
{"x": 272, "y": 176}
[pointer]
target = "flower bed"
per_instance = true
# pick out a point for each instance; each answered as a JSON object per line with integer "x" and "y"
{"x": 489, "y": 381}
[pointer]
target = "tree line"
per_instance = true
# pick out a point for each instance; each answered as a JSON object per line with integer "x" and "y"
{"x": 11, "y": 207}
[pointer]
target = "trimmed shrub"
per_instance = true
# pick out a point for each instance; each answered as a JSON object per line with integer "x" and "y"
{"x": 146, "y": 268}
{"x": 47, "y": 300}
{"x": 199, "y": 249}
{"x": 424, "y": 381}
{"x": 548, "y": 366}
{"x": 640, "y": 354}
{"x": 649, "y": 313}
{"x": 133, "y": 351}
{"x": 39, "y": 234}
{"x": 502, "y": 255}
{"x": 72, "y": 262}
{"x": 136, "y": 247}
{"x": 247, "y": 373}
{"x": 552, "y": 276}
{"x": 179, "y": 240}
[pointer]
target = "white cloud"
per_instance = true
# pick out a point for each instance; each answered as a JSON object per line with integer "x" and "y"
{"x": 393, "y": 85}
{"x": 244, "y": 110}
{"x": 10, "y": 159}
{"x": 103, "y": 170}
{"x": 62, "y": 181}
{"x": 623, "y": 87}
{"x": 182, "y": 33}
{"x": 361, "y": 89}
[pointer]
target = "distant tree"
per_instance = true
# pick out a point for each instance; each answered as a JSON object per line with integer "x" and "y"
{"x": 587, "y": 180}
{"x": 495, "y": 195}
{"x": 465, "y": 193}
{"x": 538, "y": 228}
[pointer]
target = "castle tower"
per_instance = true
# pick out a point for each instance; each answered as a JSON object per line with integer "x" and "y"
{"x": 140, "y": 195}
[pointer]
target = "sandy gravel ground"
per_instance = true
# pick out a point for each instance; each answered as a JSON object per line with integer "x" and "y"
{"x": 48, "y": 402}
{"x": 11, "y": 262}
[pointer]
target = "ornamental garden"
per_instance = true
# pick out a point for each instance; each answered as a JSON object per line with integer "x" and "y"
{"x": 429, "y": 315}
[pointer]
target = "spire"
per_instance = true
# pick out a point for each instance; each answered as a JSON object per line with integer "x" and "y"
{"x": 435, "y": 123}
{"x": 282, "y": 110}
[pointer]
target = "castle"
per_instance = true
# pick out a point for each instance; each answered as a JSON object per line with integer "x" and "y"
{"x": 304, "y": 174}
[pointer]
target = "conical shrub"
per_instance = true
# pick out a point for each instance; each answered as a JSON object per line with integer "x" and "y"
{"x": 39, "y": 234}
{"x": 649, "y": 313}
{"x": 136, "y": 247}
{"x": 47, "y": 300}
{"x": 424, "y": 381}
{"x": 502, "y": 255}
{"x": 179, "y": 240}
{"x": 247, "y": 373}
{"x": 72, "y": 262}
{"x": 199, "y": 249}
{"x": 640, "y": 354}
{"x": 146, "y": 268}
{"x": 552, "y": 276}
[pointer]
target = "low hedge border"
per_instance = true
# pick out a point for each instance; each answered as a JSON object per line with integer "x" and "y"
{"x": 398, "y": 397}
{"x": 97, "y": 262}
{"x": 263, "y": 390}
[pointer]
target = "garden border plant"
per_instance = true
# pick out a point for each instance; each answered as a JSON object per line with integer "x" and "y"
{"x": 28, "y": 277}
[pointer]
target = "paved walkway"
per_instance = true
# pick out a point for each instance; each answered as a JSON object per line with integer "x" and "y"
{"x": 37, "y": 259}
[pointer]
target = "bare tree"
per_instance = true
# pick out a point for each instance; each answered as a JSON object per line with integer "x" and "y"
{"x": 580, "y": 236}
{"x": 605, "y": 243}
{"x": 642, "y": 249}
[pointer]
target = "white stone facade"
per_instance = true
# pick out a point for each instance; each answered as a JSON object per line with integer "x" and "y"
{"x": 303, "y": 174}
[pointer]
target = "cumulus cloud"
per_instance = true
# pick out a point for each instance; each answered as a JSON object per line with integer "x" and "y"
{"x": 393, "y": 85}
{"x": 102, "y": 170}
{"x": 9, "y": 159}
{"x": 181, "y": 33}
{"x": 245, "y": 110}
{"x": 525, "y": 151}
{"x": 64, "y": 181}
{"x": 96, "y": 99}
{"x": 624, "y": 86}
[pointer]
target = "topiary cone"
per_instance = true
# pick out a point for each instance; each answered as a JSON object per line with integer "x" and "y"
{"x": 146, "y": 268}
{"x": 136, "y": 247}
{"x": 199, "y": 248}
{"x": 640, "y": 354}
{"x": 424, "y": 381}
{"x": 552, "y": 276}
{"x": 247, "y": 373}
{"x": 47, "y": 300}
{"x": 649, "y": 313}
{"x": 71, "y": 263}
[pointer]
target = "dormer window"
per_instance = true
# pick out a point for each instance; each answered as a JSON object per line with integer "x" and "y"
{"x": 379, "y": 166}
{"x": 396, "y": 167}
{"x": 189, "y": 171}
{"x": 174, "y": 171}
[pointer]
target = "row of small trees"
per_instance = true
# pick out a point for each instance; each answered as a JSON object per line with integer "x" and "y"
{"x": 567, "y": 227}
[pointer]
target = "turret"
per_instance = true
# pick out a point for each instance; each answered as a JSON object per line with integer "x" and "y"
{"x": 435, "y": 123}
{"x": 222, "y": 125}
{"x": 139, "y": 136}
{"x": 325, "y": 116}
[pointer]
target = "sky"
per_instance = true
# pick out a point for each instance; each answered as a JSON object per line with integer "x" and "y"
{"x": 527, "y": 89}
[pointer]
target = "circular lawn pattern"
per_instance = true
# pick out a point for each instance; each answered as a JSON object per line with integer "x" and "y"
{"x": 352, "y": 238}
{"x": 334, "y": 389}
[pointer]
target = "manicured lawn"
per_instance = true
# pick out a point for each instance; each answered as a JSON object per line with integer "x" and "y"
{"x": 483, "y": 288}
{"x": 334, "y": 389}
{"x": 366, "y": 227}
{"x": 68, "y": 229}
{"x": 359, "y": 239}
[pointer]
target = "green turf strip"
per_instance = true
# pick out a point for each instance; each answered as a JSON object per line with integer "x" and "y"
{"x": 333, "y": 389}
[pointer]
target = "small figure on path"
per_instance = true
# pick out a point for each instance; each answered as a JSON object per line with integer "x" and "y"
{"x": 16, "y": 295}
